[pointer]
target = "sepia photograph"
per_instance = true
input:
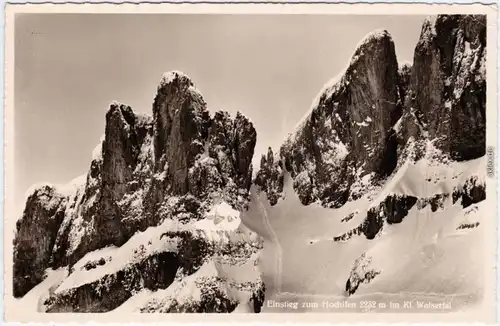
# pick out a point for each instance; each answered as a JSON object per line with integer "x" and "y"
{"x": 250, "y": 163}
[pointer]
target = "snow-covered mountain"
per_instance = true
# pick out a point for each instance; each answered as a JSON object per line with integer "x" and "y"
{"x": 380, "y": 190}
{"x": 158, "y": 210}
{"x": 380, "y": 183}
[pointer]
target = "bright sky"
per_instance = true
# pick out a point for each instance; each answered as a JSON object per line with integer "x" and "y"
{"x": 68, "y": 68}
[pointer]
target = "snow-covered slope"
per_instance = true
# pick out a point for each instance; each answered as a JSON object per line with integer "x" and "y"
{"x": 194, "y": 267}
{"x": 327, "y": 253}
{"x": 34, "y": 300}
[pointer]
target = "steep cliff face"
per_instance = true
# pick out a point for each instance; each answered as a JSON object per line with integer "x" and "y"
{"x": 109, "y": 207}
{"x": 181, "y": 173}
{"x": 181, "y": 123}
{"x": 346, "y": 135}
{"x": 35, "y": 237}
{"x": 447, "y": 92}
{"x": 120, "y": 150}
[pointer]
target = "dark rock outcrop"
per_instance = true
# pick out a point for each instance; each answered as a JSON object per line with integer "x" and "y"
{"x": 200, "y": 155}
{"x": 154, "y": 272}
{"x": 181, "y": 125}
{"x": 360, "y": 273}
{"x": 213, "y": 299}
{"x": 349, "y": 234}
{"x": 447, "y": 91}
{"x": 436, "y": 202}
{"x": 107, "y": 204}
{"x": 193, "y": 251}
{"x": 120, "y": 150}
{"x": 270, "y": 177}
{"x": 404, "y": 80}
{"x": 258, "y": 298}
{"x": 349, "y": 217}
{"x": 231, "y": 144}
{"x": 36, "y": 234}
{"x": 468, "y": 226}
{"x": 392, "y": 210}
{"x": 471, "y": 192}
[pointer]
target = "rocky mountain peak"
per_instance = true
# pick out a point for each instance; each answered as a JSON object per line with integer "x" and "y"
{"x": 119, "y": 147}
{"x": 385, "y": 145}
{"x": 235, "y": 138}
{"x": 270, "y": 176}
{"x": 347, "y": 133}
{"x": 447, "y": 89}
{"x": 179, "y": 165}
{"x": 376, "y": 114}
{"x": 405, "y": 69}
{"x": 373, "y": 95}
{"x": 180, "y": 125}
{"x": 120, "y": 111}
{"x": 375, "y": 42}
{"x": 175, "y": 78}
{"x": 35, "y": 236}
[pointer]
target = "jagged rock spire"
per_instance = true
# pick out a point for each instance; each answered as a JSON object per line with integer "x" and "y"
{"x": 146, "y": 170}
{"x": 448, "y": 84}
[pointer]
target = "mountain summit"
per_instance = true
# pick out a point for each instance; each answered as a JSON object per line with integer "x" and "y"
{"x": 386, "y": 173}
{"x": 364, "y": 121}
{"x": 175, "y": 180}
